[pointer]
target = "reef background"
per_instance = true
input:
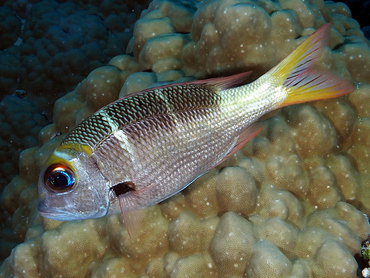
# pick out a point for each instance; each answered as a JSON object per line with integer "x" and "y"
{"x": 295, "y": 196}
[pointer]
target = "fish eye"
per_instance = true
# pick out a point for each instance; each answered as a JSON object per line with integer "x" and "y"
{"x": 59, "y": 178}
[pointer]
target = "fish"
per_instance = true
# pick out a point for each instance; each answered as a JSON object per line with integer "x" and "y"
{"x": 145, "y": 147}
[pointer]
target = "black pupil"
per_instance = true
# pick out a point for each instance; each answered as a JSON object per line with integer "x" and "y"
{"x": 61, "y": 180}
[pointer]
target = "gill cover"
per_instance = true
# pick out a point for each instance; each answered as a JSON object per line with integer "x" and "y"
{"x": 71, "y": 187}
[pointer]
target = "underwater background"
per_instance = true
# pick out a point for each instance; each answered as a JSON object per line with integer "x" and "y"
{"x": 296, "y": 195}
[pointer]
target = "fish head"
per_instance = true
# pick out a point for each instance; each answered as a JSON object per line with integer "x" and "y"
{"x": 71, "y": 187}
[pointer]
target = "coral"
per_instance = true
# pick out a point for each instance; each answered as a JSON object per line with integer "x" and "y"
{"x": 291, "y": 203}
{"x": 10, "y": 30}
{"x": 10, "y": 27}
{"x": 68, "y": 41}
{"x": 20, "y": 124}
{"x": 359, "y": 9}
{"x": 10, "y": 67}
{"x": 60, "y": 43}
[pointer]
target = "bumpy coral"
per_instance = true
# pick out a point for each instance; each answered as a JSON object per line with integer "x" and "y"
{"x": 360, "y": 10}
{"x": 291, "y": 203}
{"x": 10, "y": 30}
{"x": 10, "y": 27}
{"x": 60, "y": 43}
{"x": 20, "y": 124}
{"x": 10, "y": 68}
{"x": 68, "y": 41}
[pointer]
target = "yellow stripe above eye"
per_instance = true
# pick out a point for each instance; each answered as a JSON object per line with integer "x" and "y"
{"x": 78, "y": 147}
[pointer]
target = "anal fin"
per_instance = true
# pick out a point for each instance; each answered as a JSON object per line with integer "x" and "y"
{"x": 249, "y": 133}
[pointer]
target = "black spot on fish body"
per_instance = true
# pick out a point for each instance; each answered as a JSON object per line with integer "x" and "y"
{"x": 123, "y": 188}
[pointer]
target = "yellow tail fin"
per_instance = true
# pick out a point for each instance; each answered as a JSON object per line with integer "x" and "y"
{"x": 302, "y": 81}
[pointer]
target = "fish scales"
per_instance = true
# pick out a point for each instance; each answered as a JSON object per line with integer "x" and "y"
{"x": 129, "y": 110}
{"x": 157, "y": 148}
{"x": 184, "y": 133}
{"x": 145, "y": 147}
{"x": 189, "y": 141}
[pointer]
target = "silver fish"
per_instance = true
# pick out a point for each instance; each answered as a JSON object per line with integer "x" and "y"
{"x": 146, "y": 147}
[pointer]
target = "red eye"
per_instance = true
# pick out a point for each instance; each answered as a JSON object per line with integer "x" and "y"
{"x": 59, "y": 178}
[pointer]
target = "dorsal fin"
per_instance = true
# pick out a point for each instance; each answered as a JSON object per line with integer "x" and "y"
{"x": 223, "y": 83}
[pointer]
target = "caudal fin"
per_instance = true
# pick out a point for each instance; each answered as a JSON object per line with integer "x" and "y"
{"x": 302, "y": 81}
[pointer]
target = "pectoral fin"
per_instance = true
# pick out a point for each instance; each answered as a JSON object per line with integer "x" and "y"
{"x": 131, "y": 216}
{"x": 129, "y": 202}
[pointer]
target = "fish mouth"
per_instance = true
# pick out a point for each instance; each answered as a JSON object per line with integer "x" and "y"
{"x": 62, "y": 215}
{"x": 54, "y": 213}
